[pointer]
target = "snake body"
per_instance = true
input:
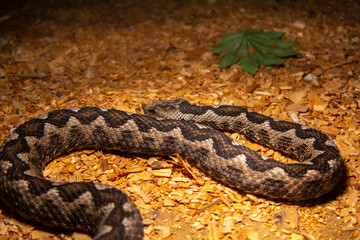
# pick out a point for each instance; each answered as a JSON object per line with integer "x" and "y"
{"x": 169, "y": 128}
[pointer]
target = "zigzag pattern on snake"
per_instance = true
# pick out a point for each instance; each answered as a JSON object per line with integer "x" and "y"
{"x": 107, "y": 213}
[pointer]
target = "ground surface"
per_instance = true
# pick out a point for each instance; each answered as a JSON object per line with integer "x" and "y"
{"x": 119, "y": 54}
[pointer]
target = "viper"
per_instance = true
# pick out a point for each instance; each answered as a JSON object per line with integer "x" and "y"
{"x": 168, "y": 128}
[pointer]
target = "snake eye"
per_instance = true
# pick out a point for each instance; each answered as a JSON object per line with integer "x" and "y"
{"x": 150, "y": 111}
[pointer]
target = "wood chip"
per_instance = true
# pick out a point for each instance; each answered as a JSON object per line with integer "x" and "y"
{"x": 214, "y": 202}
{"x": 297, "y": 97}
{"x": 40, "y": 235}
{"x": 228, "y": 225}
{"x": 145, "y": 197}
{"x": 162, "y": 173}
{"x": 164, "y": 51}
{"x": 298, "y": 107}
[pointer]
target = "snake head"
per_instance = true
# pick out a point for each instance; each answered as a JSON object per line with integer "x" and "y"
{"x": 164, "y": 109}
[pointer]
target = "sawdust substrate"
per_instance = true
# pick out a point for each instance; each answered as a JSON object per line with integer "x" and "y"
{"x": 118, "y": 54}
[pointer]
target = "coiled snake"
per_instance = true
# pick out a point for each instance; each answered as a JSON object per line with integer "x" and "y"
{"x": 106, "y": 212}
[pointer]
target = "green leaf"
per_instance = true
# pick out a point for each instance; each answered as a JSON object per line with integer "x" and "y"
{"x": 283, "y": 43}
{"x": 249, "y": 64}
{"x": 230, "y": 43}
{"x": 272, "y": 34}
{"x": 284, "y": 52}
{"x": 228, "y": 60}
{"x": 253, "y": 47}
{"x": 268, "y": 59}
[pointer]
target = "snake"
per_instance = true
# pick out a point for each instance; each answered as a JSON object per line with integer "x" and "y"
{"x": 168, "y": 127}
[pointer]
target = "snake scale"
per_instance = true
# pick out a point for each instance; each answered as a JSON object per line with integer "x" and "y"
{"x": 168, "y": 128}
